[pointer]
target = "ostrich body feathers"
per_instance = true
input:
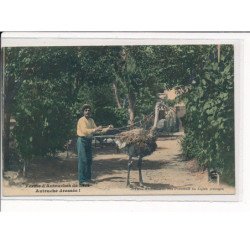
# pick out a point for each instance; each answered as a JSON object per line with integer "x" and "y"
{"x": 137, "y": 142}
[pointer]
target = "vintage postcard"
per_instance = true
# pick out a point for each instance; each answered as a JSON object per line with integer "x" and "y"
{"x": 117, "y": 116}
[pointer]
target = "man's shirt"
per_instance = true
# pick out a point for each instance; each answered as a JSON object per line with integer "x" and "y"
{"x": 85, "y": 127}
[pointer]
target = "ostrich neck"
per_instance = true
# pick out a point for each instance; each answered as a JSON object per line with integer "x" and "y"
{"x": 153, "y": 129}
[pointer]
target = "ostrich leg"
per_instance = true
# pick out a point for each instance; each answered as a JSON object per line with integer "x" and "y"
{"x": 129, "y": 167}
{"x": 139, "y": 168}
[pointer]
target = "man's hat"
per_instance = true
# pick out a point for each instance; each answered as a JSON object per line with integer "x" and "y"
{"x": 86, "y": 106}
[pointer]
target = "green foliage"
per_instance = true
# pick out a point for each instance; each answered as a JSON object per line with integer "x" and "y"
{"x": 137, "y": 78}
{"x": 42, "y": 114}
{"x": 43, "y": 102}
{"x": 46, "y": 87}
{"x": 209, "y": 123}
{"x": 170, "y": 103}
{"x": 111, "y": 115}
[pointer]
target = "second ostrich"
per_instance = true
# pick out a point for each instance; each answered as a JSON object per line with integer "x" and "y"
{"x": 139, "y": 143}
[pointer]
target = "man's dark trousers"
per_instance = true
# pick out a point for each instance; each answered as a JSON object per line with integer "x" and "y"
{"x": 84, "y": 149}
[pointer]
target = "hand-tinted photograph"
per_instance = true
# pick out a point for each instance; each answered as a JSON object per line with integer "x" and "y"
{"x": 118, "y": 120}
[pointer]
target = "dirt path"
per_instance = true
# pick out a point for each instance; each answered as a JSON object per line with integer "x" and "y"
{"x": 164, "y": 172}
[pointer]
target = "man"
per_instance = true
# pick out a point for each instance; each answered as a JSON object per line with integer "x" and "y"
{"x": 85, "y": 129}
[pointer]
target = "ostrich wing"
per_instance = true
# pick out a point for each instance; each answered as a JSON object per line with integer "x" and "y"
{"x": 132, "y": 136}
{"x": 137, "y": 137}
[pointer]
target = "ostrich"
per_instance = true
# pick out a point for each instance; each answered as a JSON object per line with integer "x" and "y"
{"x": 139, "y": 143}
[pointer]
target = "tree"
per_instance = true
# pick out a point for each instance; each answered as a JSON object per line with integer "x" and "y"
{"x": 15, "y": 71}
{"x": 136, "y": 79}
{"x": 65, "y": 78}
{"x": 45, "y": 88}
{"x": 207, "y": 86}
{"x": 40, "y": 84}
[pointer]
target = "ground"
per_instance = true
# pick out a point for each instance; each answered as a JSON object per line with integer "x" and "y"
{"x": 164, "y": 172}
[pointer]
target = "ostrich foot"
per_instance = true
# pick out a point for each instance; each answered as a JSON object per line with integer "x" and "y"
{"x": 141, "y": 186}
{"x": 132, "y": 187}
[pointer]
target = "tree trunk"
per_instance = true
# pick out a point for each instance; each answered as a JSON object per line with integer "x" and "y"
{"x": 114, "y": 87}
{"x": 6, "y": 138}
{"x": 218, "y": 52}
{"x": 25, "y": 167}
{"x": 131, "y": 110}
{"x": 10, "y": 89}
{"x": 5, "y": 105}
{"x": 130, "y": 94}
